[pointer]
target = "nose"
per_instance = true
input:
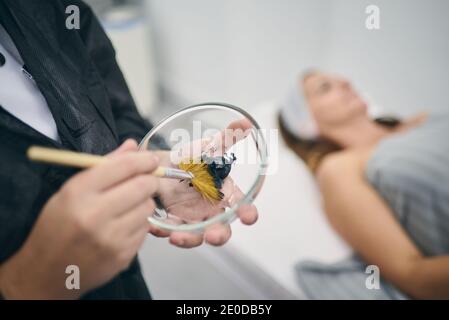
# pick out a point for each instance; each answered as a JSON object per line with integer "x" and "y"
{"x": 345, "y": 84}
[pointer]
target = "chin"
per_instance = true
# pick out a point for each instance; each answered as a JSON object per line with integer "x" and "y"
{"x": 360, "y": 107}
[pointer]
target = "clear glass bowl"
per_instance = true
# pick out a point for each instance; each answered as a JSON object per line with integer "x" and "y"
{"x": 215, "y": 130}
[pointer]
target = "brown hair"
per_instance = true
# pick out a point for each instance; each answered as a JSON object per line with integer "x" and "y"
{"x": 312, "y": 151}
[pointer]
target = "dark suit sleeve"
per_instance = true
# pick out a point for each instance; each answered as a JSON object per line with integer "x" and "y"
{"x": 128, "y": 121}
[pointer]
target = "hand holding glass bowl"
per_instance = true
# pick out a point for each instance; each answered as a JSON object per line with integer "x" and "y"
{"x": 213, "y": 130}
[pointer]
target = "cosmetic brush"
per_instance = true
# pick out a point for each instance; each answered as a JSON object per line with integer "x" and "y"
{"x": 199, "y": 174}
{"x": 85, "y": 160}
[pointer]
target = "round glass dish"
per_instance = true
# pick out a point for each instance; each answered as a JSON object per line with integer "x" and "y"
{"x": 213, "y": 131}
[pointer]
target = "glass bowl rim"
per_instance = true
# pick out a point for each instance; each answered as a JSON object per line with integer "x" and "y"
{"x": 229, "y": 214}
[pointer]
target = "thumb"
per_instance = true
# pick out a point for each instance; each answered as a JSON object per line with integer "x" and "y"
{"x": 127, "y": 146}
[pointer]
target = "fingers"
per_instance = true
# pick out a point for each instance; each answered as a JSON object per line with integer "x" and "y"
{"x": 191, "y": 150}
{"x": 127, "y": 146}
{"x": 247, "y": 212}
{"x": 116, "y": 169}
{"x": 214, "y": 145}
{"x": 125, "y": 196}
{"x": 186, "y": 239}
{"x": 215, "y": 235}
{"x": 157, "y": 232}
{"x": 218, "y": 234}
{"x": 136, "y": 219}
{"x": 236, "y": 131}
{"x": 134, "y": 242}
{"x": 243, "y": 124}
{"x": 228, "y": 189}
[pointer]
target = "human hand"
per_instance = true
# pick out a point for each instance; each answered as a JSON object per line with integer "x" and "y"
{"x": 96, "y": 221}
{"x": 187, "y": 204}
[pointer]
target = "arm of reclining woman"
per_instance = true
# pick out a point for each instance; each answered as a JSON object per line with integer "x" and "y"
{"x": 362, "y": 217}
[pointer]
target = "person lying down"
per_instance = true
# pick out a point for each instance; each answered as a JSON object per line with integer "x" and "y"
{"x": 384, "y": 186}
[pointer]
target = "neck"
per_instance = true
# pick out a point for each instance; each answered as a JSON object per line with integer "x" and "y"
{"x": 361, "y": 132}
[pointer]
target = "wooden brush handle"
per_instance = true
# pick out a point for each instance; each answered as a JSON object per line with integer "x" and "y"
{"x": 64, "y": 157}
{"x": 74, "y": 159}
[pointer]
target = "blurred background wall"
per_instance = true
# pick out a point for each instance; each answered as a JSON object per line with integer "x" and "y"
{"x": 404, "y": 65}
{"x": 248, "y": 51}
{"x": 177, "y": 52}
{"x": 243, "y": 52}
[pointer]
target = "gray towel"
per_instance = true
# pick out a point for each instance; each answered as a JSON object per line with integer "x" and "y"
{"x": 411, "y": 172}
{"x": 344, "y": 280}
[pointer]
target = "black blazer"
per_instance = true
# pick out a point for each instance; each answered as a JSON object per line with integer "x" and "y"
{"x": 78, "y": 75}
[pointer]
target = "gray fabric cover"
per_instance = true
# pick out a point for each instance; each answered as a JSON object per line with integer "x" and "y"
{"x": 344, "y": 280}
{"x": 411, "y": 172}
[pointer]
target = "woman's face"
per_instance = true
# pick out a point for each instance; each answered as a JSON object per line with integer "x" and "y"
{"x": 332, "y": 100}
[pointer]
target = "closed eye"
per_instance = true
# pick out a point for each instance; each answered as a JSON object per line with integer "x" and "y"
{"x": 324, "y": 87}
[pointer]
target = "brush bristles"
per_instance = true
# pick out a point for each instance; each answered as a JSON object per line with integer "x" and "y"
{"x": 202, "y": 180}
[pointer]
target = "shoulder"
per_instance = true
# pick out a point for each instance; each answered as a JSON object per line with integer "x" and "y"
{"x": 415, "y": 157}
{"x": 337, "y": 165}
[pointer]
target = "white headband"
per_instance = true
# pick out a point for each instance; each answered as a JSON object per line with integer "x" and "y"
{"x": 298, "y": 119}
{"x": 296, "y": 116}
